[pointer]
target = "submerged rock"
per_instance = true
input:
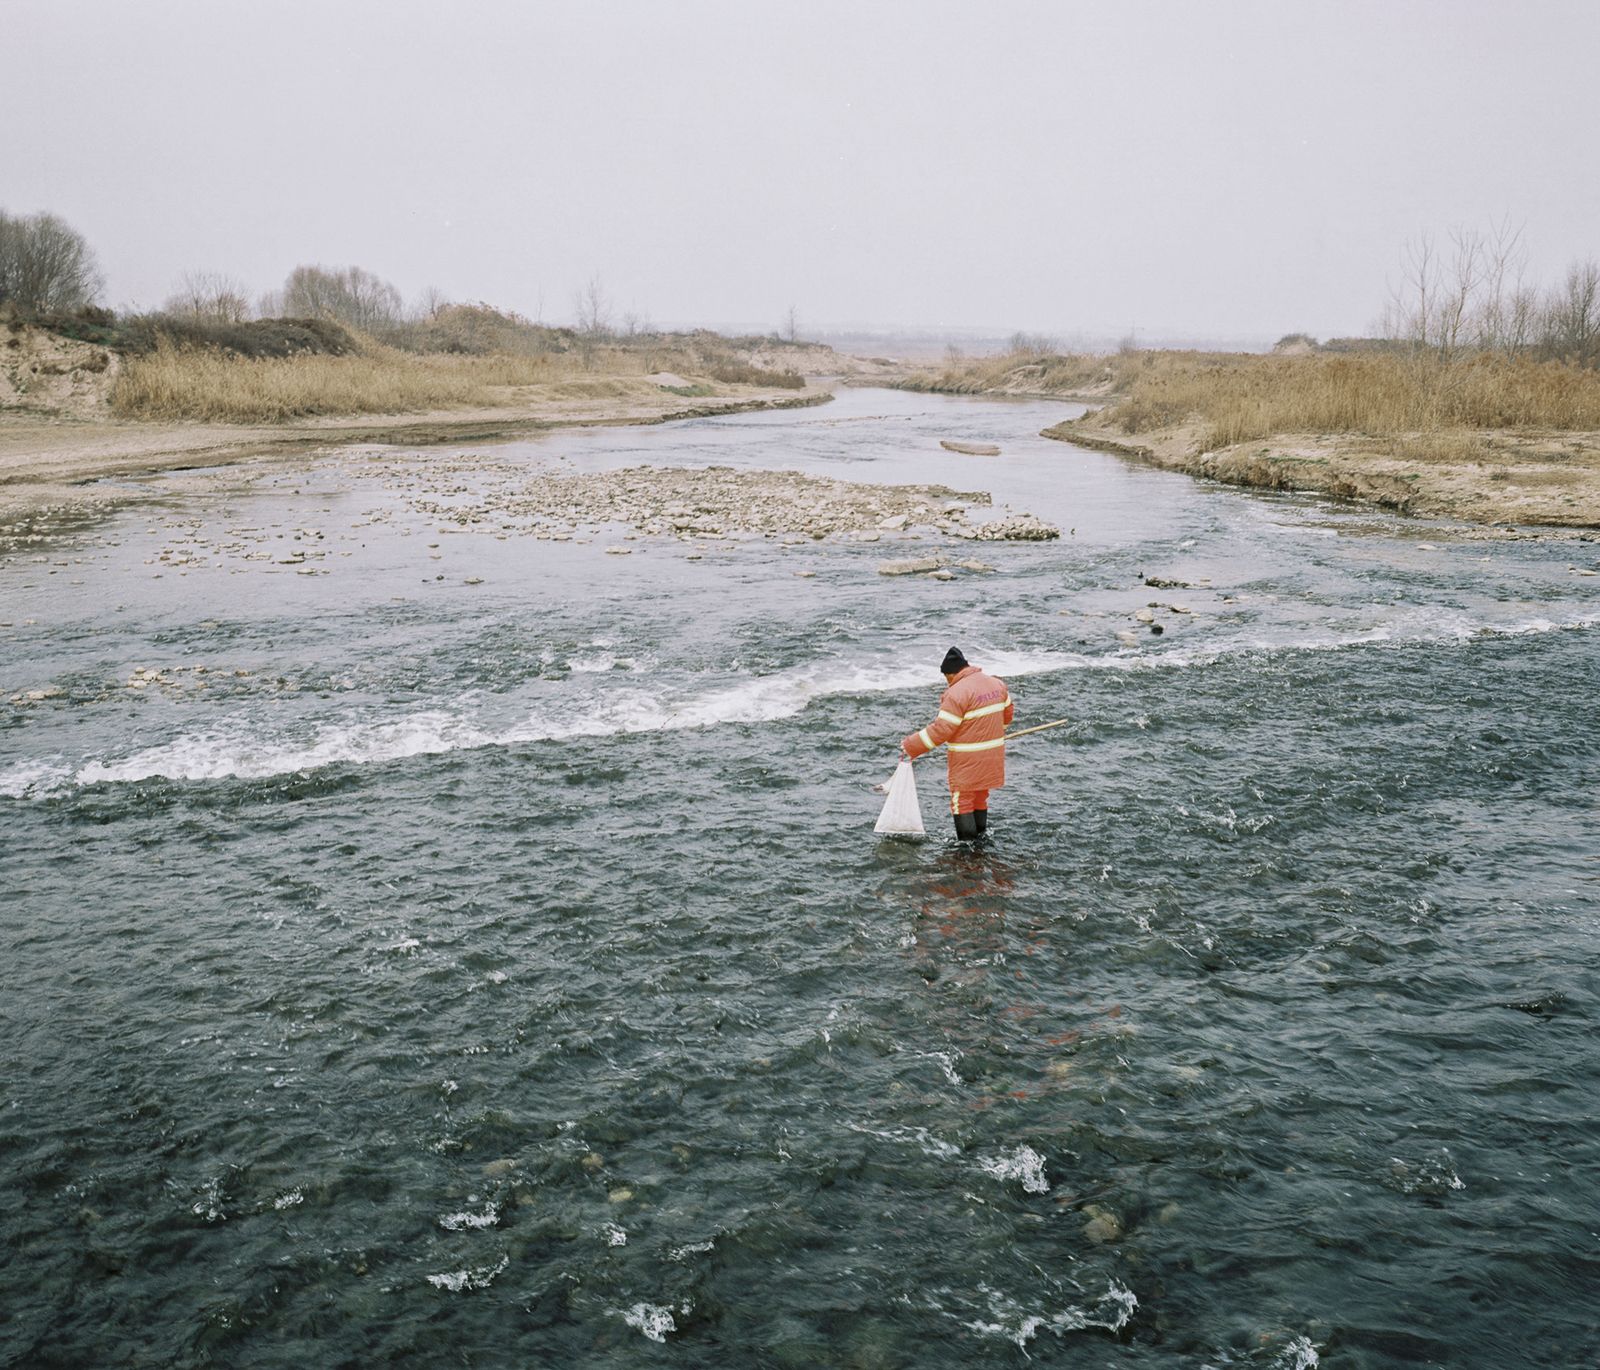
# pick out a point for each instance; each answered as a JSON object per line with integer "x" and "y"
{"x": 1103, "y": 1225}
{"x": 910, "y": 566}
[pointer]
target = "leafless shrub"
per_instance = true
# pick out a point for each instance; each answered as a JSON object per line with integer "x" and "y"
{"x": 430, "y": 304}
{"x": 1031, "y": 345}
{"x": 733, "y": 372}
{"x": 592, "y": 309}
{"x": 211, "y": 296}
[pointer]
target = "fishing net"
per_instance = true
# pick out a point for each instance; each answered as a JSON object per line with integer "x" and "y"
{"x": 902, "y": 815}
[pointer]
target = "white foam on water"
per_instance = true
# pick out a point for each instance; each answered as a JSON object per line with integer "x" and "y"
{"x": 1433, "y": 1175}
{"x": 1009, "y": 1319}
{"x": 217, "y": 755}
{"x": 1024, "y": 1164}
{"x": 480, "y": 1278}
{"x": 28, "y": 778}
{"x": 243, "y": 755}
{"x": 615, "y": 1236}
{"x": 919, "y": 1137}
{"x": 947, "y": 1062}
{"x": 600, "y": 662}
{"x": 653, "y": 1319}
{"x": 289, "y": 1199}
{"x": 465, "y": 1222}
{"x": 1299, "y": 1354}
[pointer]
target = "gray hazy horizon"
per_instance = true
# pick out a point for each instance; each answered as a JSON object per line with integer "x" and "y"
{"x": 1230, "y": 170}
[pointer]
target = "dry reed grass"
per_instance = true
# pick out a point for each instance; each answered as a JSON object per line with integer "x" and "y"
{"x": 173, "y": 382}
{"x": 1022, "y": 373}
{"x": 1239, "y": 398}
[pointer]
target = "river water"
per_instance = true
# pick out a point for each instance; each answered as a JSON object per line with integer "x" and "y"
{"x": 506, "y": 973}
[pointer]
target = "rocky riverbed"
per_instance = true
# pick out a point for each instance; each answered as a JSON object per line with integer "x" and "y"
{"x": 693, "y": 503}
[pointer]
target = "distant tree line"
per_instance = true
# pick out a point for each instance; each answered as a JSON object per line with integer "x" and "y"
{"x": 49, "y": 276}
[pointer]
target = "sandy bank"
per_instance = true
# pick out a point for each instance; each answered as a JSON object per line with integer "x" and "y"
{"x": 49, "y": 465}
{"x": 1548, "y": 480}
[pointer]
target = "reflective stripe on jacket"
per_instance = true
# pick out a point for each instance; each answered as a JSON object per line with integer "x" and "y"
{"x": 972, "y": 721}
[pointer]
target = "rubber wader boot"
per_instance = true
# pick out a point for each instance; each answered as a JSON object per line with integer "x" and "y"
{"x": 967, "y": 828}
{"x": 982, "y": 815}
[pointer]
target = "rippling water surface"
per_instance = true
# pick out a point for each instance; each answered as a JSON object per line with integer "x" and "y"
{"x": 507, "y": 974}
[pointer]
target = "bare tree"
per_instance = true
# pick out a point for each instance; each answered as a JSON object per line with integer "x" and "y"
{"x": 593, "y": 309}
{"x": 1572, "y": 316}
{"x": 349, "y": 296}
{"x": 1459, "y": 287}
{"x": 1413, "y": 304}
{"x": 1436, "y": 307}
{"x": 1504, "y": 261}
{"x": 209, "y": 295}
{"x": 791, "y": 325}
{"x": 1521, "y": 325}
{"x": 430, "y": 303}
{"x": 46, "y": 265}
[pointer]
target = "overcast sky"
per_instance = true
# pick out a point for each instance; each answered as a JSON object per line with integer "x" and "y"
{"x": 1213, "y": 169}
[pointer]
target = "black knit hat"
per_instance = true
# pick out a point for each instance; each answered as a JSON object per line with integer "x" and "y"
{"x": 953, "y": 662}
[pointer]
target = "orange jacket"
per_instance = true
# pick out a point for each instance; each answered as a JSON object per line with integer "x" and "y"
{"x": 973, "y": 716}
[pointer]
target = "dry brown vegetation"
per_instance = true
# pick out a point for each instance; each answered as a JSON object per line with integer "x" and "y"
{"x": 1238, "y": 397}
{"x": 174, "y": 381}
{"x": 735, "y": 372}
{"x": 1485, "y": 438}
{"x": 1241, "y": 397}
{"x": 1023, "y": 372}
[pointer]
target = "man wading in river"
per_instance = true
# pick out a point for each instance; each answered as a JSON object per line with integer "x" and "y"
{"x": 973, "y": 716}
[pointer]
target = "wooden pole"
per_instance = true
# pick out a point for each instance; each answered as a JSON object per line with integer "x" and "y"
{"x": 1038, "y": 728}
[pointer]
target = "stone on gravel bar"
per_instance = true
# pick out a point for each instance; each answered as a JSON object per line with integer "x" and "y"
{"x": 1014, "y": 528}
